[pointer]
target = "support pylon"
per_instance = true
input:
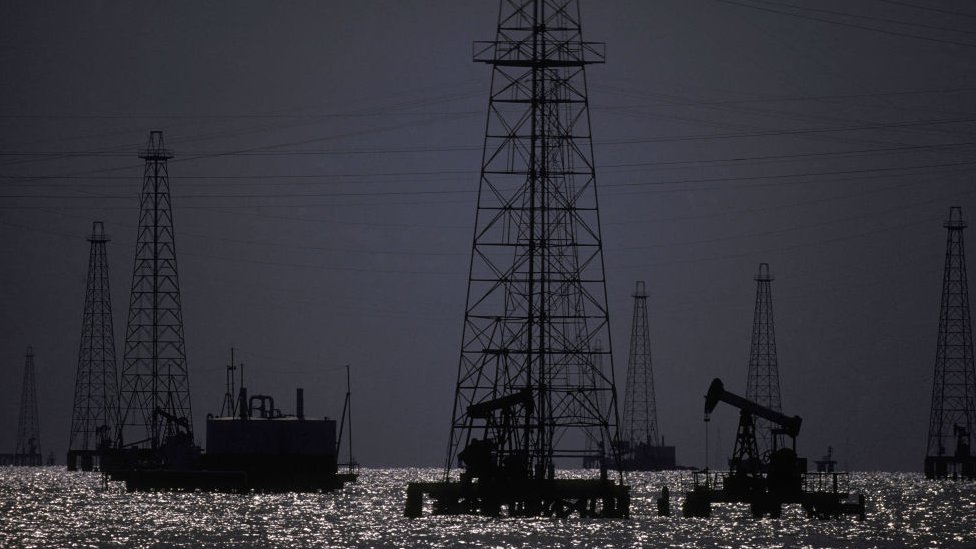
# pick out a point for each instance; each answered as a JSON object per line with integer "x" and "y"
{"x": 762, "y": 386}
{"x": 950, "y": 452}
{"x": 95, "y": 413}
{"x": 28, "y": 444}
{"x": 155, "y": 384}
{"x": 525, "y": 399}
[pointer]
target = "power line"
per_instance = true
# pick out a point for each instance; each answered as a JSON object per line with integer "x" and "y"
{"x": 317, "y": 116}
{"x": 850, "y": 25}
{"x": 775, "y": 98}
{"x": 936, "y": 146}
{"x": 929, "y": 8}
{"x": 334, "y": 194}
{"x": 868, "y": 17}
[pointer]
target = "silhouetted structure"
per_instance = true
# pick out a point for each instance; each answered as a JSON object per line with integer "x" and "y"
{"x": 256, "y": 448}
{"x": 762, "y": 386}
{"x": 641, "y": 446}
{"x": 525, "y": 399}
{"x": 155, "y": 386}
{"x": 229, "y": 407}
{"x": 28, "y": 443}
{"x": 953, "y": 416}
{"x": 95, "y": 411}
{"x": 345, "y": 424}
{"x": 827, "y": 464}
{"x": 785, "y": 480}
{"x": 595, "y": 451}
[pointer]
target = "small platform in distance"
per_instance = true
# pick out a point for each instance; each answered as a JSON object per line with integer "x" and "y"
{"x": 598, "y": 498}
{"x": 822, "y": 495}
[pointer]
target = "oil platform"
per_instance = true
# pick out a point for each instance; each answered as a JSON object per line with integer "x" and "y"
{"x": 641, "y": 445}
{"x": 95, "y": 411}
{"x": 950, "y": 452}
{"x": 529, "y": 390}
{"x": 784, "y": 480}
{"x": 27, "y": 452}
{"x": 254, "y": 446}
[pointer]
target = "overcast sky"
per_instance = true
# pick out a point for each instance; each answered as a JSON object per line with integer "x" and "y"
{"x": 324, "y": 195}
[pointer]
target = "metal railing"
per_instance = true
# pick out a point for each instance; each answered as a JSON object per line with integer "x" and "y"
{"x": 520, "y": 52}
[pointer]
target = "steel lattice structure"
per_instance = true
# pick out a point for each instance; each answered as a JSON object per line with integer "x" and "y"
{"x": 953, "y": 416}
{"x": 155, "y": 385}
{"x": 28, "y": 444}
{"x": 595, "y": 441}
{"x": 95, "y": 411}
{"x": 762, "y": 386}
{"x": 640, "y": 407}
{"x": 528, "y": 380}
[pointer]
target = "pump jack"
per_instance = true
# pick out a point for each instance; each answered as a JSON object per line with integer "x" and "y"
{"x": 786, "y": 479}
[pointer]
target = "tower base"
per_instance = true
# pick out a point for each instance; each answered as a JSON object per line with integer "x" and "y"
{"x": 645, "y": 457}
{"x": 594, "y": 498}
{"x": 950, "y": 467}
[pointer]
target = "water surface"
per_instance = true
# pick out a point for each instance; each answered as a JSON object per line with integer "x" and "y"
{"x": 49, "y": 507}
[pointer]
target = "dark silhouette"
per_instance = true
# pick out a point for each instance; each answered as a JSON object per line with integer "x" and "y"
{"x": 664, "y": 503}
{"x": 229, "y": 406}
{"x": 252, "y": 445}
{"x": 827, "y": 464}
{"x": 785, "y": 479}
{"x": 155, "y": 387}
{"x": 762, "y": 385}
{"x": 530, "y": 389}
{"x": 641, "y": 445}
{"x": 155, "y": 427}
{"x": 255, "y": 448}
{"x": 28, "y": 449}
{"x": 95, "y": 411}
{"x": 953, "y": 416}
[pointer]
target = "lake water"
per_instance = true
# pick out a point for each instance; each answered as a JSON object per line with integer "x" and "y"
{"x": 49, "y": 507}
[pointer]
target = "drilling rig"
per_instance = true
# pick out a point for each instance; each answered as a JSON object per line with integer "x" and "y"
{"x": 785, "y": 480}
{"x": 530, "y": 397}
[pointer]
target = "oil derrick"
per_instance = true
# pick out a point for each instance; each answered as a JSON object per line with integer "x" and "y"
{"x": 640, "y": 408}
{"x": 528, "y": 390}
{"x": 641, "y": 446}
{"x": 154, "y": 388}
{"x": 28, "y": 445}
{"x": 763, "y": 383}
{"x": 95, "y": 412}
{"x": 953, "y": 417}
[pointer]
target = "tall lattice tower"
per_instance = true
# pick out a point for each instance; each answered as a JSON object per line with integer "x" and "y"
{"x": 640, "y": 406}
{"x": 763, "y": 384}
{"x": 155, "y": 385}
{"x": 529, "y": 391}
{"x": 95, "y": 413}
{"x": 953, "y": 416}
{"x": 28, "y": 445}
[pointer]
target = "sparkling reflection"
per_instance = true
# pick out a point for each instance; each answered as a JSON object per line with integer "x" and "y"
{"x": 51, "y": 507}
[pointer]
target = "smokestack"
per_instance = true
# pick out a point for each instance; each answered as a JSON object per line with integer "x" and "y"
{"x": 300, "y": 403}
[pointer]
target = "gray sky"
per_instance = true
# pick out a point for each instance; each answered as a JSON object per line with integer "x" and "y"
{"x": 826, "y": 138}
